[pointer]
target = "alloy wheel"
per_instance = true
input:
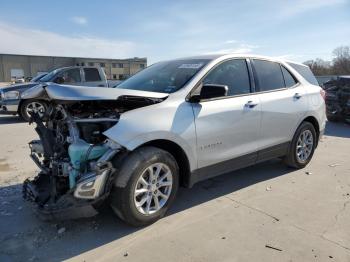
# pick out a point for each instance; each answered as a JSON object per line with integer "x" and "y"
{"x": 153, "y": 188}
{"x": 304, "y": 146}
{"x": 35, "y": 107}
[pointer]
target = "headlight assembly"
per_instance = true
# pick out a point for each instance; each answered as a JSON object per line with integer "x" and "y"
{"x": 10, "y": 95}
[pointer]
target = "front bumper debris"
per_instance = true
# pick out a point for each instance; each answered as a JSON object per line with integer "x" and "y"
{"x": 66, "y": 207}
{"x": 91, "y": 189}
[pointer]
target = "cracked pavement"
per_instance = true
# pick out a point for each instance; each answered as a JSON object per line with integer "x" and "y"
{"x": 267, "y": 212}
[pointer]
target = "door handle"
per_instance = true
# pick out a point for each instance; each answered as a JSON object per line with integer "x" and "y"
{"x": 297, "y": 96}
{"x": 250, "y": 104}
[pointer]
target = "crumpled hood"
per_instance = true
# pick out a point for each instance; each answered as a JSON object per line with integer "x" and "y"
{"x": 81, "y": 93}
{"x": 17, "y": 87}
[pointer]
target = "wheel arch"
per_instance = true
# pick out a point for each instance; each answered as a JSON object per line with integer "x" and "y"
{"x": 178, "y": 153}
{"x": 314, "y": 122}
{"x": 21, "y": 101}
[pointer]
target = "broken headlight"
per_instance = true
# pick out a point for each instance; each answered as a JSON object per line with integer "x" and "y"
{"x": 10, "y": 95}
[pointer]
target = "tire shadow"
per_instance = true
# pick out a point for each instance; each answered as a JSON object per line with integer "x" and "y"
{"x": 10, "y": 119}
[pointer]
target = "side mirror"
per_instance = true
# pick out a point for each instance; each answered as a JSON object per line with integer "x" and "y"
{"x": 59, "y": 80}
{"x": 209, "y": 91}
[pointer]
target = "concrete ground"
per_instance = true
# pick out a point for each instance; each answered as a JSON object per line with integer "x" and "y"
{"x": 262, "y": 213}
{"x": 2, "y": 84}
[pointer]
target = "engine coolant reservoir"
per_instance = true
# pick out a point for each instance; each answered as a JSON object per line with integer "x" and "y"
{"x": 80, "y": 153}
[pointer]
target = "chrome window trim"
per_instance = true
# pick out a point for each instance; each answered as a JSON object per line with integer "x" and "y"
{"x": 251, "y": 73}
{"x": 199, "y": 83}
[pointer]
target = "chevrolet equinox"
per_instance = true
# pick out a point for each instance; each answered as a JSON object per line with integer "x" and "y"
{"x": 172, "y": 124}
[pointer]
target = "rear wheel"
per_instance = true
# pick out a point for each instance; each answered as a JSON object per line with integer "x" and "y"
{"x": 151, "y": 187}
{"x": 32, "y": 106}
{"x": 302, "y": 146}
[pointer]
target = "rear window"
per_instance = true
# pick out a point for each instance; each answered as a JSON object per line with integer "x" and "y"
{"x": 92, "y": 75}
{"x": 305, "y": 72}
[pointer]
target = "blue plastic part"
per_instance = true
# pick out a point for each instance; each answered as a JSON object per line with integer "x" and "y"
{"x": 80, "y": 153}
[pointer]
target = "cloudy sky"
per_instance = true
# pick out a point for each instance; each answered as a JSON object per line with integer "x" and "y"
{"x": 297, "y": 30}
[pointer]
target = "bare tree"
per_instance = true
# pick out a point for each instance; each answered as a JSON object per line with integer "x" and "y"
{"x": 340, "y": 64}
{"x": 341, "y": 60}
{"x": 319, "y": 66}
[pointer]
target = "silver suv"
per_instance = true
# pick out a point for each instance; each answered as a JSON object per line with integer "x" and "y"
{"x": 174, "y": 123}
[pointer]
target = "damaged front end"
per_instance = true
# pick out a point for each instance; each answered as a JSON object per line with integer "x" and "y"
{"x": 74, "y": 157}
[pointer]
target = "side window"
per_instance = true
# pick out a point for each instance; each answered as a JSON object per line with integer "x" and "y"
{"x": 92, "y": 75}
{"x": 71, "y": 75}
{"x": 289, "y": 80}
{"x": 234, "y": 74}
{"x": 269, "y": 75}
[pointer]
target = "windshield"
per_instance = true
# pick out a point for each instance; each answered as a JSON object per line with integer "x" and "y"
{"x": 165, "y": 77}
{"x": 37, "y": 78}
{"x": 49, "y": 76}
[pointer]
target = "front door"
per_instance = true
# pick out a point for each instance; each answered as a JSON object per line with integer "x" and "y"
{"x": 227, "y": 127}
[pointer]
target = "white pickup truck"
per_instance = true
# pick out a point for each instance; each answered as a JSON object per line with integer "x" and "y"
{"x": 10, "y": 96}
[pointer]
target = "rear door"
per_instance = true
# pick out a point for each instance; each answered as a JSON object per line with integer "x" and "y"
{"x": 92, "y": 77}
{"x": 228, "y": 127}
{"x": 283, "y": 104}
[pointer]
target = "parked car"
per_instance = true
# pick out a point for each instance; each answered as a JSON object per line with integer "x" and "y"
{"x": 10, "y": 97}
{"x": 173, "y": 124}
{"x": 19, "y": 80}
{"x": 338, "y": 99}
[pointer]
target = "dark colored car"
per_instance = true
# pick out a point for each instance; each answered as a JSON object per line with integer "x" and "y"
{"x": 338, "y": 99}
{"x": 10, "y": 96}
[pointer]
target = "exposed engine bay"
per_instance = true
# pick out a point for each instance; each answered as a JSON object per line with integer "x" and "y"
{"x": 74, "y": 157}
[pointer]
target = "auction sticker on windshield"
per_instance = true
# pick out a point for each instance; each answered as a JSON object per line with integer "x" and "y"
{"x": 191, "y": 66}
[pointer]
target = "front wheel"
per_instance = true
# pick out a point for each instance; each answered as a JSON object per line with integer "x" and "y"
{"x": 32, "y": 106}
{"x": 302, "y": 146}
{"x": 153, "y": 179}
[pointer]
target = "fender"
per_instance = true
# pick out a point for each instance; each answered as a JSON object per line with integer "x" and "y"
{"x": 174, "y": 123}
{"x": 143, "y": 139}
{"x": 317, "y": 106}
{"x": 321, "y": 125}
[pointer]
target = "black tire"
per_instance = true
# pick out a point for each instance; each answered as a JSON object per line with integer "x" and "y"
{"x": 133, "y": 166}
{"x": 291, "y": 158}
{"x": 23, "y": 108}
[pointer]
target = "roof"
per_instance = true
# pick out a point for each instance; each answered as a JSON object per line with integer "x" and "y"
{"x": 233, "y": 55}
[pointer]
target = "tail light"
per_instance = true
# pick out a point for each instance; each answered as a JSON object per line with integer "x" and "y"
{"x": 323, "y": 94}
